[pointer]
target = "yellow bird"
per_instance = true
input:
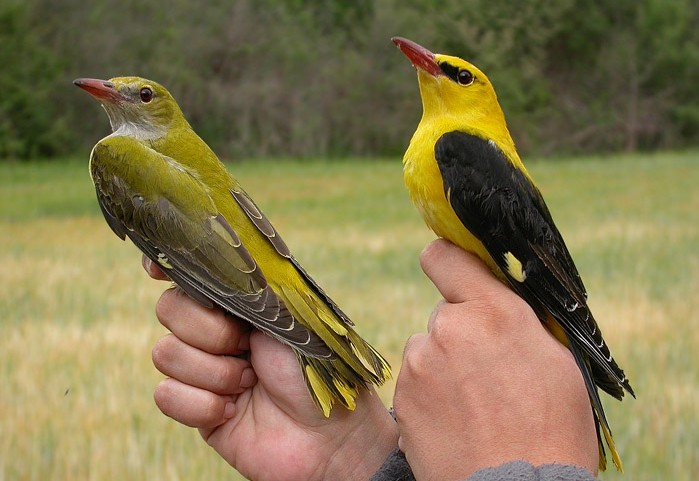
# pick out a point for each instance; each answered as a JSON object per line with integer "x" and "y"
{"x": 465, "y": 177}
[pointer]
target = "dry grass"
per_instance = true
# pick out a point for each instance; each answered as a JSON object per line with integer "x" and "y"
{"x": 78, "y": 324}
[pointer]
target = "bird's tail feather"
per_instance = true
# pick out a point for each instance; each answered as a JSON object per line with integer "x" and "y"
{"x": 354, "y": 363}
{"x": 327, "y": 382}
{"x": 378, "y": 369}
{"x": 333, "y": 379}
{"x": 601, "y": 424}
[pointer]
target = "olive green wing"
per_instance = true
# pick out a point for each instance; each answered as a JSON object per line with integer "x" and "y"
{"x": 168, "y": 213}
{"x": 265, "y": 227}
{"x": 313, "y": 306}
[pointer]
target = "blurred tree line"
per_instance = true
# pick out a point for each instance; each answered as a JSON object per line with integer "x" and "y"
{"x": 321, "y": 78}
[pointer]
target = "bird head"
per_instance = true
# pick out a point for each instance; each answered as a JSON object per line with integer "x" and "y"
{"x": 135, "y": 106}
{"x": 452, "y": 88}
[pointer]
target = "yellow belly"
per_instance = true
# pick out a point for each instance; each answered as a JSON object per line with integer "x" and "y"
{"x": 426, "y": 189}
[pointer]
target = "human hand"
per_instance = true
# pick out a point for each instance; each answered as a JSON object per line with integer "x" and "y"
{"x": 487, "y": 384}
{"x": 245, "y": 393}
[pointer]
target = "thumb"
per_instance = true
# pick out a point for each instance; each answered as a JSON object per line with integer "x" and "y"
{"x": 457, "y": 274}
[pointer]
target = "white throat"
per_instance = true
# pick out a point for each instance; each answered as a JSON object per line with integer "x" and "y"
{"x": 130, "y": 126}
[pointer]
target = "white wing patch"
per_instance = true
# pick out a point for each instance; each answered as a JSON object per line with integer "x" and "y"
{"x": 164, "y": 261}
{"x": 514, "y": 267}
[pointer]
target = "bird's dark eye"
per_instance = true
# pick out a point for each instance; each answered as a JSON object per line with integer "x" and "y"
{"x": 146, "y": 94}
{"x": 464, "y": 77}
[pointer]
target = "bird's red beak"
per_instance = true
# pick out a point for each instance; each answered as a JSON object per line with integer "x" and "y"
{"x": 100, "y": 89}
{"x": 419, "y": 56}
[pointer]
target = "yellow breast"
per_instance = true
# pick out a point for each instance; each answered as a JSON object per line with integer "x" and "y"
{"x": 426, "y": 189}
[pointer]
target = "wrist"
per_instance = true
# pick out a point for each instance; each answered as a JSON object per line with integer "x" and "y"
{"x": 363, "y": 449}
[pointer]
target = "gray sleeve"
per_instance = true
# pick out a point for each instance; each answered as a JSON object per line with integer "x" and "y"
{"x": 523, "y": 471}
{"x": 395, "y": 468}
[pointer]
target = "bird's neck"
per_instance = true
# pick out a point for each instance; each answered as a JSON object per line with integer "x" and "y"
{"x": 184, "y": 146}
{"x": 142, "y": 132}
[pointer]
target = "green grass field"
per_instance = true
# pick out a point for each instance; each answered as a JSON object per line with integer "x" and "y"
{"x": 77, "y": 312}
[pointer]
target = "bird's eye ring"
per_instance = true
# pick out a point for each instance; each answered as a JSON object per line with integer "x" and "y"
{"x": 146, "y": 94}
{"x": 464, "y": 77}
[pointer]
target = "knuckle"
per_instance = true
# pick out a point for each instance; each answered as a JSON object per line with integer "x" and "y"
{"x": 513, "y": 313}
{"x": 223, "y": 376}
{"x": 492, "y": 300}
{"x": 224, "y": 339}
{"x": 410, "y": 346}
{"x": 413, "y": 356}
{"x": 211, "y": 409}
{"x": 399, "y": 406}
{"x": 501, "y": 312}
{"x": 448, "y": 322}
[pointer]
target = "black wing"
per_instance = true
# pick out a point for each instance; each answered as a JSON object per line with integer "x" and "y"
{"x": 506, "y": 212}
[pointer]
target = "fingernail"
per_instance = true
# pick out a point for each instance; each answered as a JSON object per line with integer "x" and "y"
{"x": 229, "y": 410}
{"x": 248, "y": 378}
{"x": 146, "y": 262}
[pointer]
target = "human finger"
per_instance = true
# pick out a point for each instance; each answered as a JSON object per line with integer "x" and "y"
{"x": 408, "y": 384}
{"x": 435, "y": 314}
{"x": 152, "y": 269}
{"x": 215, "y": 373}
{"x": 457, "y": 274}
{"x": 208, "y": 329}
{"x": 192, "y": 406}
{"x": 413, "y": 344}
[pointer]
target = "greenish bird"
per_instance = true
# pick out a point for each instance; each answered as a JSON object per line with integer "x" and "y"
{"x": 159, "y": 184}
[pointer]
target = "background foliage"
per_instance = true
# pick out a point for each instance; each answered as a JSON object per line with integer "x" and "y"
{"x": 312, "y": 78}
{"x": 320, "y": 78}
